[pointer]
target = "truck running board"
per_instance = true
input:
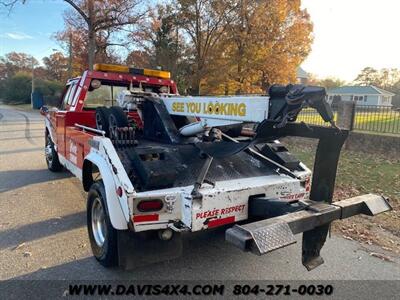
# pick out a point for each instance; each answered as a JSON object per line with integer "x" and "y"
{"x": 264, "y": 236}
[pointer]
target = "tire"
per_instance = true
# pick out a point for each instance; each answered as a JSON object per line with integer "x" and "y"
{"x": 117, "y": 118}
{"x": 102, "y": 115}
{"x": 52, "y": 161}
{"x": 102, "y": 235}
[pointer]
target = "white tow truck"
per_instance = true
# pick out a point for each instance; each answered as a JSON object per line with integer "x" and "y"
{"x": 156, "y": 164}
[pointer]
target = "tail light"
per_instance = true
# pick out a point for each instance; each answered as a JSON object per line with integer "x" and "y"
{"x": 150, "y": 205}
{"x": 307, "y": 184}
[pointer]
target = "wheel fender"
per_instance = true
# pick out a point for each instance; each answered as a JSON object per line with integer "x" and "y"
{"x": 114, "y": 208}
{"x": 48, "y": 127}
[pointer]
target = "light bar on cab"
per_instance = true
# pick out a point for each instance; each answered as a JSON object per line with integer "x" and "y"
{"x": 111, "y": 68}
{"x": 136, "y": 71}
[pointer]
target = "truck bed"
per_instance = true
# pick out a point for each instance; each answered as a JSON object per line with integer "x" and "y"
{"x": 183, "y": 162}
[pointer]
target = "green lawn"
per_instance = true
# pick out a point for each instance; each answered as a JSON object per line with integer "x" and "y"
{"x": 365, "y": 172}
{"x": 387, "y": 121}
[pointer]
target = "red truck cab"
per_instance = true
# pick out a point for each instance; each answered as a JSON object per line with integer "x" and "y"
{"x": 81, "y": 97}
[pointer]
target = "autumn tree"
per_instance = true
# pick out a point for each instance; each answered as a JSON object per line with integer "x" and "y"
{"x": 328, "y": 83}
{"x": 98, "y": 20}
{"x": 102, "y": 22}
{"x": 263, "y": 44}
{"x": 162, "y": 45}
{"x": 138, "y": 58}
{"x": 15, "y": 62}
{"x": 388, "y": 79}
{"x": 15, "y": 76}
{"x": 203, "y": 22}
{"x": 383, "y": 78}
{"x": 56, "y": 66}
{"x": 368, "y": 76}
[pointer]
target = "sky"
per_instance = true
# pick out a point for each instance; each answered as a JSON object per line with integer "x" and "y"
{"x": 348, "y": 34}
{"x": 29, "y": 28}
{"x": 352, "y": 34}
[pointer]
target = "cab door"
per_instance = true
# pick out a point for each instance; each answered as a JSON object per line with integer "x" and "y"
{"x": 60, "y": 131}
{"x": 60, "y": 116}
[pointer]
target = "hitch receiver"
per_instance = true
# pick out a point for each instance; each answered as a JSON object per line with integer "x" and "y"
{"x": 267, "y": 235}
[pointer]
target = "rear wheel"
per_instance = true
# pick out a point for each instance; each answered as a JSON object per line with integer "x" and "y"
{"x": 102, "y": 235}
{"x": 102, "y": 115}
{"x": 53, "y": 163}
{"x": 117, "y": 118}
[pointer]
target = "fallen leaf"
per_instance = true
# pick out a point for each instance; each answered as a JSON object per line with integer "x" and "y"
{"x": 381, "y": 256}
{"x": 19, "y": 246}
{"x": 27, "y": 254}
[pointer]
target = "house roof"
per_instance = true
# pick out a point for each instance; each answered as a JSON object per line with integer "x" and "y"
{"x": 360, "y": 90}
{"x": 301, "y": 73}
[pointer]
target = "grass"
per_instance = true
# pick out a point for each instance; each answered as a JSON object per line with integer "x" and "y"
{"x": 387, "y": 121}
{"x": 377, "y": 122}
{"x": 360, "y": 173}
{"x": 363, "y": 171}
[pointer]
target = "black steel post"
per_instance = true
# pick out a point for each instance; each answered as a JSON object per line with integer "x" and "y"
{"x": 326, "y": 161}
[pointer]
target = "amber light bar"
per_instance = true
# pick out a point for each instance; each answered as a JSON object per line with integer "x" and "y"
{"x": 136, "y": 71}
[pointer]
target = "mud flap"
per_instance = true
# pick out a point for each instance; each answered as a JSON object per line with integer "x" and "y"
{"x": 137, "y": 250}
{"x": 271, "y": 234}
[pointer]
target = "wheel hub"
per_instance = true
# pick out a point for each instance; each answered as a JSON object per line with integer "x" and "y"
{"x": 98, "y": 222}
{"x": 48, "y": 152}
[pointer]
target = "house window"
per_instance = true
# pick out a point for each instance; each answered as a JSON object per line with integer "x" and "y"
{"x": 365, "y": 98}
{"x": 358, "y": 98}
{"x": 385, "y": 100}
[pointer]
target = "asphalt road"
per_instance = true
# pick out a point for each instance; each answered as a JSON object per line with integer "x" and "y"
{"x": 43, "y": 232}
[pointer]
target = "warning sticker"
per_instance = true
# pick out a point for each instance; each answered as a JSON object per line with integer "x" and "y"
{"x": 220, "y": 212}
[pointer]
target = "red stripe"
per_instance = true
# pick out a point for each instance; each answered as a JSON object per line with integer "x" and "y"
{"x": 145, "y": 218}
{"x": 220, "y": 222}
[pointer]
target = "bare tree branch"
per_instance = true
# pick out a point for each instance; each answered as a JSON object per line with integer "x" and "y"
{"x": 79, "y": 10}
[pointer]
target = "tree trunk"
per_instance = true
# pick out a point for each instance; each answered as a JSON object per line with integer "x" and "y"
{"x": 91, "y": 35}
{"x": 91, "y": 48}
{"x": 70, "y": 56}
{"x": 195, "y": 90}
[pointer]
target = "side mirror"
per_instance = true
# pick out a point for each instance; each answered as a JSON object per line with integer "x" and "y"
{"x": 44, "y": 110}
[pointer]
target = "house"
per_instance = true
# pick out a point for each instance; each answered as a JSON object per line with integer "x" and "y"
{"x": 301, "y": 76}
{"x": 362, "y": 95}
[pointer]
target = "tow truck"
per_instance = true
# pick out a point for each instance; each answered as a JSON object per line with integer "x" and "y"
{"x": 158, "y": 165}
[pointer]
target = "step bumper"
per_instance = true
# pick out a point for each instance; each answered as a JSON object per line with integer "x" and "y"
{"x": 264, "y": 236}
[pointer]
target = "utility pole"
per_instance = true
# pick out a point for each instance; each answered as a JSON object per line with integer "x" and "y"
{"x": 33, "y": 82}
{"x": 70, "y": 56}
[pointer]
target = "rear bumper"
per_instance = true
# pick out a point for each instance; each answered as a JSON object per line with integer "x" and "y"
{"x": 225, "y": 202}
{"x": 270, "y": 234}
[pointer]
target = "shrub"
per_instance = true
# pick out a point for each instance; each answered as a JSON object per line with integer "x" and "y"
{"x": 18, "y": 88}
